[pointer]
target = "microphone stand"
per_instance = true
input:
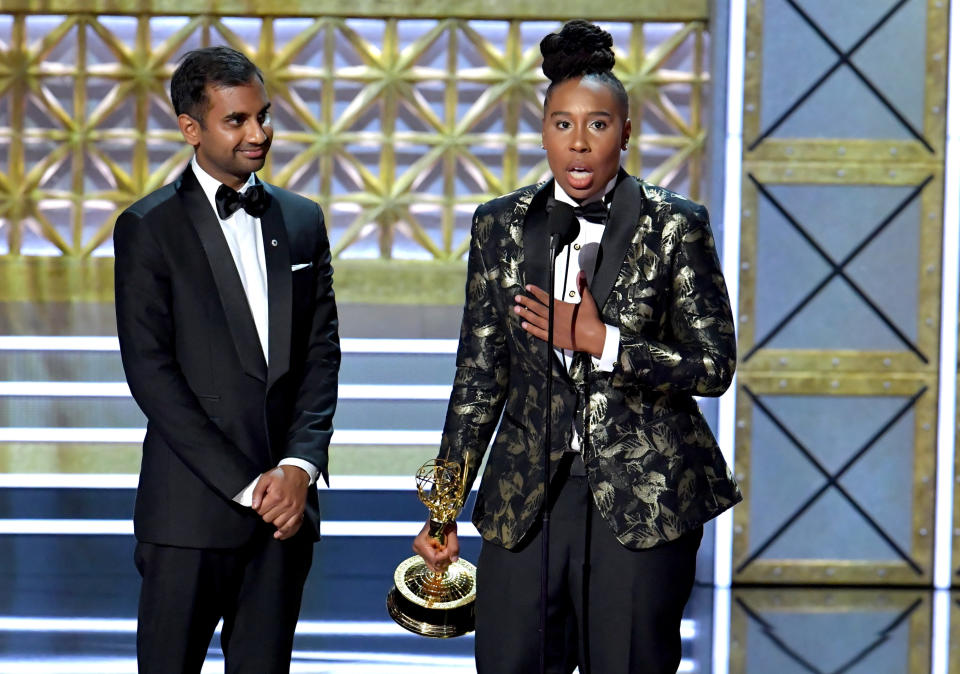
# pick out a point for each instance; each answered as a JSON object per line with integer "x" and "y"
{"x": 548, "y": 446}
{"x": 563, "y": 227}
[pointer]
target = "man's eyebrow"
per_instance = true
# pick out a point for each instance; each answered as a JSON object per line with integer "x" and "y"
{"x": 243, "y": 115}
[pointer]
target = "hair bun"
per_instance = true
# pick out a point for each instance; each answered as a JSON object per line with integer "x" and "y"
{"x": 580, "y": 48}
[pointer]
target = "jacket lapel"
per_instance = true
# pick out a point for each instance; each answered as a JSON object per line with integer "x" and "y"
{"x": 536, "y": 270}
{"x": 225, "y": 275}
{"x": 536, "y": 239}
{"x": 279, "y": 286}
{"x": 619, "y": 231}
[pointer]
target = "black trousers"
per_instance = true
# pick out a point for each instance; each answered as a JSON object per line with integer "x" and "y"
{"x": 186, "y": 591}
{"x": 611, "y": 610}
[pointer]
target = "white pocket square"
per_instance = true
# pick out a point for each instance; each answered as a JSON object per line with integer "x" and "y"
{"x": 298, "y": 267}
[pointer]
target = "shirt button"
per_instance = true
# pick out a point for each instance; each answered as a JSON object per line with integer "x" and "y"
{"x": 576, "y": 246}
{"x": 573, "y": 293}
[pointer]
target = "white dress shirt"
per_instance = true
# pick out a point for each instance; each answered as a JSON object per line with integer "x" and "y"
{"x": 245, "y": 240}
{"x": 582, "y": 254}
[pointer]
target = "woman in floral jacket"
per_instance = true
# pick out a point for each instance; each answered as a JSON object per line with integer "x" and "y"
{"x": 643, "y": 324}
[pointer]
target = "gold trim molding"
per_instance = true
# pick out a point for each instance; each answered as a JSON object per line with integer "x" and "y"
{"x": 648, "y": 10}
{"x": 70, "y": 279}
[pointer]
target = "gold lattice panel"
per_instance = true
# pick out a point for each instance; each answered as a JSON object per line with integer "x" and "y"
{"x": 843, "y": 189}
{"x": 397, "y": 122}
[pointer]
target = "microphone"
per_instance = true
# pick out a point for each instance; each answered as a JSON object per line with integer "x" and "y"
{"x": 563, "y": 225}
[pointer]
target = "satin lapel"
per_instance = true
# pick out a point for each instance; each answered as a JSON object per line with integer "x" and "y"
{"x": 276, "y": 246}
{"x": 536, "y": 239}
{"x": 536, "y": 249}
{"x": 619, "y": 231}
{"x": 225, "y": 276}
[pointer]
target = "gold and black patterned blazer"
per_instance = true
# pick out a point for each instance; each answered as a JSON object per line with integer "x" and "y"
{"x": 653, "y": 464}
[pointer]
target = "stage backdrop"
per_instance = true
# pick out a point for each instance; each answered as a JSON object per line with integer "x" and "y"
{"x": 839, "y": 326}
{"x": 398, "y": 117}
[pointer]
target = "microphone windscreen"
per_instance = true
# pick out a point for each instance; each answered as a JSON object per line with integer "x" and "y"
{"x": 563, "y": 224}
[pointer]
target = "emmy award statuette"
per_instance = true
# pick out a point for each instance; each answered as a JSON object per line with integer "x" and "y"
{"x": 425, "y": 602}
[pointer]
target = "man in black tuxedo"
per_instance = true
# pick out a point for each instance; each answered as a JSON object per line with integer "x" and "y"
{"x": 228, "y": 333}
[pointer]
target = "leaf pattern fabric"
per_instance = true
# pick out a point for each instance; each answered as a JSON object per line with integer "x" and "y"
{"x": 653, "y": 465}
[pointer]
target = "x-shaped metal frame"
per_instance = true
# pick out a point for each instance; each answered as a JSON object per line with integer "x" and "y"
{"x": 844, "y": 58}
{"x": 837, "y": 268}
{"x": 832, "y": 480}
{"x": 883, "y": 636}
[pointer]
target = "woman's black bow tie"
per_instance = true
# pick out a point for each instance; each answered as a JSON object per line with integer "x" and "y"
{"x": 253, "y": 200}
{"x": 595, "y": 211}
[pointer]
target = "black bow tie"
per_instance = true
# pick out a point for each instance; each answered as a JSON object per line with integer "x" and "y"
{"x": 253, "y": 200}
{"x": 595, "y": 211}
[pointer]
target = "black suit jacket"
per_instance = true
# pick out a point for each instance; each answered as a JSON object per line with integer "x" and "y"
{"x": 654, "y": 467}
{"x": 217, "y": 416}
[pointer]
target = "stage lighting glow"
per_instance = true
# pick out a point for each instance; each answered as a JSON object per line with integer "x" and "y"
{"x": 68, "y": 481}
{"x": 57, "y": 343}
{"x": 338, "y": 628}
{"x": 393, "y": 392}
{"x": 103, "y": 527}
{"x": 727, "y": 405}
{"x": 129, "y": 481}
{"x": 329, "y": 663}
{"x": 721, "y": 631}
{"x": 940, "y": 648}
{"x": 61, "y": 389}
{"x": 949, "y": 311}
{"x": 428, "y": 346}
{"x": 66, "y": 527}
{"x": 135, "y": 436}
{"x": 92, "y": 389}
{"x": 347, "y": 345}
{"x": 71, "y": 435}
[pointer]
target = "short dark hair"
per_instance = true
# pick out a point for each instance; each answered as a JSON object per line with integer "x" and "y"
{"x": 217, "y": 66}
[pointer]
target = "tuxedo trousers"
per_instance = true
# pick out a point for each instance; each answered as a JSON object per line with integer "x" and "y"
{"x": 255, "y": 589}
{"x": 611, "y": 610}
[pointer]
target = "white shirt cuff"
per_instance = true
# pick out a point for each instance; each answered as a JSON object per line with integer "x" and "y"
{"x": 611, "y": 347}
{"x": 245, "y": 497}
{"x": 308, "y": 467}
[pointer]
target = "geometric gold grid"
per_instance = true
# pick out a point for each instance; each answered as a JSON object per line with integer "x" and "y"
{"x": 398, "y": 125}
{"x": 837, "y": 126}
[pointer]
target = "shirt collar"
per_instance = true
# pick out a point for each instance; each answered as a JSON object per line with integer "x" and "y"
{"x": 560, "y": 195}
{"x": 210, "y": 185}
